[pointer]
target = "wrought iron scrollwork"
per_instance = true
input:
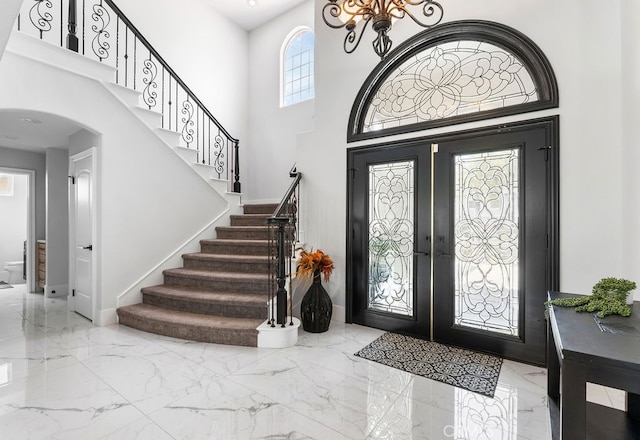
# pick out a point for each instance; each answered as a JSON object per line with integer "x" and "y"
{"x": 149, "y": 95}
{"x": 99, "y": 44}
{"x": 40, "y": 17}
{"x": 188, "y": 111}
{"x": 100, "y": 30}
{"x": 355, "y": 16}
{"x": 219, "y": 164}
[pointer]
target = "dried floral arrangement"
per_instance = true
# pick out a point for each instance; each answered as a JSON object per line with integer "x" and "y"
{"x": 310, "y": 261}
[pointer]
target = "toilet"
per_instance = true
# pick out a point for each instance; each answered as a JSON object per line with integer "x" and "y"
{"x": 15, "y": 269}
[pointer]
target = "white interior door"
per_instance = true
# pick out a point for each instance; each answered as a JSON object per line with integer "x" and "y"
{"x": 82, "y": 211}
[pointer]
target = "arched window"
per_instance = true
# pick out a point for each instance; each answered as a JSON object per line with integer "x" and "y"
{"x": 453, "y": 73}
{"x": 297, "y": 67}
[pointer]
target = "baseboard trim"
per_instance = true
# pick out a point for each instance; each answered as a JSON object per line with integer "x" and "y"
{"x": 338, "y": 313}
{"x": 56, "y": 291}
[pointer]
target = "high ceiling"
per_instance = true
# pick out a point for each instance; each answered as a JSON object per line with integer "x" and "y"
{"x": 251, "y": 17}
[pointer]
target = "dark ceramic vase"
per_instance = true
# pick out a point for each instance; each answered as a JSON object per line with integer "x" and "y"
{"x": 316, "y": 307}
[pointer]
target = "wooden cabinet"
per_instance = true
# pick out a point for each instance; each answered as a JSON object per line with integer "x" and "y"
{"x": 42, "y": 263}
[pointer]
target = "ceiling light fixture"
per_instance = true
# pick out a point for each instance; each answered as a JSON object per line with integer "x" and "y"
{"x": 252, "y": 3}
{"x": 355, "y": 16}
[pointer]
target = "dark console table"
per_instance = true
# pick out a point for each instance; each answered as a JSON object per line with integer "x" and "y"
{"x": 582, "y": 348}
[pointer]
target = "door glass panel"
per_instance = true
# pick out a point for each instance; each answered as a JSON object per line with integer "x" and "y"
{"x": 391, "y": 237}
{"x": 486, "y": 221}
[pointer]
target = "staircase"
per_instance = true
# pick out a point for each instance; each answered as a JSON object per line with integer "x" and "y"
{"x": 221, "y": 293}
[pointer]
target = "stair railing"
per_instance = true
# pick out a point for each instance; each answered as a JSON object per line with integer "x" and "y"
{"x": 283, "y": 237}
{"x": 101, "y": 31}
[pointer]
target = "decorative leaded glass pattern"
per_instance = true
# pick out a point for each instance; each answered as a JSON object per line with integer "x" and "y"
{"x": 486, "y": 219}
{"x": 450, "y": 79}
{"x": 298, "y": 83}
{"x": 391, "y": 237}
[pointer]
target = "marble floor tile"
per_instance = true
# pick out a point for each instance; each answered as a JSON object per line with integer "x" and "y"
{"x": 69, "y": 402}
{"x": 61, "y": 377}
{"x": 225, "y": 410}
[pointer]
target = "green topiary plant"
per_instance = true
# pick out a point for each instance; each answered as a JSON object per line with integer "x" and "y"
{"x": 608, "y": 297}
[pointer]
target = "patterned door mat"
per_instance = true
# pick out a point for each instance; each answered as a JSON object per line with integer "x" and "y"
{"x": 462, "y": 368}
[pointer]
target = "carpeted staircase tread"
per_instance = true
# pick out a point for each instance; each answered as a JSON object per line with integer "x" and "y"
{"x": 235, "y": 241}
{"x": 211, "y": 275}
{"x": 242, "y": 228}
{"x": 227, "y": 257}
{"x": 200, "y": 295}
{"x": 196, "y": 319}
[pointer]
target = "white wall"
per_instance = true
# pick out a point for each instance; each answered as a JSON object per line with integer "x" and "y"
{"x": 580, "y": 40}
{"x": 630, "y": 84}
{"x": 57, "y": 264}
{"x": 207, "y": 51}
{"x": 13, "y": 220}
{"x": 150, "y": 202}
{"x": 9, "y": 10}
{"x": 273, "y": 130}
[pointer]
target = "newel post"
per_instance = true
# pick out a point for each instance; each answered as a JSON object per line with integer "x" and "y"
{"x": 72, "y": 38}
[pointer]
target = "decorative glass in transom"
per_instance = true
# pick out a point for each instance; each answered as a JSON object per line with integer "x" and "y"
{"x": 391, "y": 237}
{"x": 486, "y": 222}
{"x": 447, "y": 80}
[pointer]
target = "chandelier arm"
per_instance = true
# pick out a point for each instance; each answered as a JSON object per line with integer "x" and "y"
{"x": 334, "y": 10}
{"x": 348, "y": 14}
{"x": 430, "y": 9}
{"x": 352, "y": 36}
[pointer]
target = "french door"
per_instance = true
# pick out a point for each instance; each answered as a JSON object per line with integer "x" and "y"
{"x": 453, "y": 239}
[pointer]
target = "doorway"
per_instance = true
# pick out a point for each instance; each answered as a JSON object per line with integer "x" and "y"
{"x": 453, "y": 239}
{"x": 18, "y": 225}
{"x": 82, "y": 232}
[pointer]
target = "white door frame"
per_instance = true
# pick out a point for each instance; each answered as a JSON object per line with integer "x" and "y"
{"x": 31, "y": 224}
{"x": 71, "y": 305}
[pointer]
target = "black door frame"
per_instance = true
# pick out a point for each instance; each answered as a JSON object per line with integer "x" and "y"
{"x": 551, "y": 126}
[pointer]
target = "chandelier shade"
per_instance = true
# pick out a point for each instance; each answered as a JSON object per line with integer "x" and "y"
{"x": 355, "y": 15}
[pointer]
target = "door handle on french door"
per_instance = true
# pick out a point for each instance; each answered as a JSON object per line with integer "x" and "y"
{"x": 421, "y": 253}
{"x": 443, "y": 255}
{"x": 89, "y": 248}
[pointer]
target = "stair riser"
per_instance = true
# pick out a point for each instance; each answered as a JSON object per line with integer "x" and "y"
{"x": 260, "y": 209}
{"x": 218, "y": 285}
{"x": 247, "y": 338}
{"x": 207, "y": 308}
{"x": 241, "y": 220}
{"x": 226, "y": 266}
{"x": 231, "y": 234}
{"x": 230, "y": 249}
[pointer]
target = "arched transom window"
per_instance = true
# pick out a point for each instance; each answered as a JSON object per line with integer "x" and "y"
{"x": 453, "y": 73}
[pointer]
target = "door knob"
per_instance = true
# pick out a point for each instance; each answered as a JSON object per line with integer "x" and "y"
{"x": 89, "y": 248}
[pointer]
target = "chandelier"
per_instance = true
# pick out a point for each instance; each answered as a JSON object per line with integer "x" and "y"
{"x": 355, "y": 16}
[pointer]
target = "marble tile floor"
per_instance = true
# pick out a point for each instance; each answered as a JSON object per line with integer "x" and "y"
{"x": 63, "y": 378}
